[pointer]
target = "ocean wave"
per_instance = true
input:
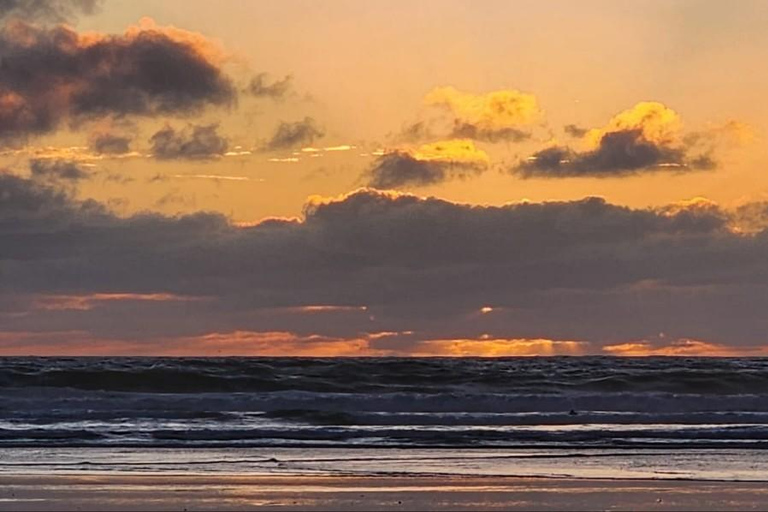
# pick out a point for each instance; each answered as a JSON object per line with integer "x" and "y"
{"x": 460, "y": 403}
{"x": 388, "y": 375}
{"x": 577, "y": 406}
{"x": 754, "y": 436}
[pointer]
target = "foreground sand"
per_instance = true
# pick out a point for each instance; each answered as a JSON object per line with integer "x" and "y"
{"x": 146, "y": 492}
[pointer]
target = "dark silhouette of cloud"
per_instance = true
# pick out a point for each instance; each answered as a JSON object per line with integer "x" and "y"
{"x": 291, "y": 135}
{"x": 427, "y": 164}
{"x": 397, "y": 169}
{"x": 401, "y": 169}
{"x": 52, "y": 75}
{"x": 414, "y": 132}
{"x": 57, "y": 170}
{"x": 619, "y": 153}
{"x": 110, "y": 143}
{"x": 38, "y": 207}
{"x": 575, "y": 130}
{"x": 645, "y": 138}
{"x": 47, "y": 10}
{"x": 577, "y": 270}
{"x": 276, "y": 90}
{"x": 471, "y": 131}
{"x": 193, "y": 143}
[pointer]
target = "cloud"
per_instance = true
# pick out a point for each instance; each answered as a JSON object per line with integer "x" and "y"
{"x": 47, "y": 10}
{"x": 277, "y": 90}
{"x": 428, "y": 164}
{"x": 751, "y": 217}
{"x": 376, "y": 262}
{"x": 398, "y": 169}
{"x": 57, "y": 170}
{"x": 106, "y": 143}
{"x": 275, "y": 344}
{"x": 88, "y": 302}
{"x": 214, "y": 177}
{"x": 414, "y": 132}
{"x": 575, "y": 130}
{"x": 471, "y": 131}
{"x": 492, "y": 117}
{"x": 196, "y": 142}
{"x": 645, "y": 138}
{"x": 37, "y": 204}
{"x": 56, "y": 75}
{"x": 490, "y": 347}
{"x": 291, "y": 135}
{"x": 681, "y": 347}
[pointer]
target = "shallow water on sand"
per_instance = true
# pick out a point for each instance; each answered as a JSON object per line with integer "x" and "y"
{"x": 719, "y": 464}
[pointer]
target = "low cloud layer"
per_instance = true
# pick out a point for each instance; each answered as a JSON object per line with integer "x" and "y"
{"x": 291, "y": 135}
{"x": 427, "y": 165}
{"x": 645, "y": 138}
{"x": 381, "y": 262}
{"x": 192, "y": 143}
{"x": 55, "y": 75}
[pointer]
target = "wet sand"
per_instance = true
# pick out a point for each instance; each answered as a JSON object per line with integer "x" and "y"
{"x": 223, "y": 492}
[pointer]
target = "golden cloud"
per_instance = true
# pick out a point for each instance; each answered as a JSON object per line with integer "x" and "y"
{"x": 499, "y": 347}
{"x": 89, "y": 301}
{"x": 655, "y": 121}
{"x": 496, "y": 110}
{"x": 681, "y": 347}
{"x": 458, "y": 151}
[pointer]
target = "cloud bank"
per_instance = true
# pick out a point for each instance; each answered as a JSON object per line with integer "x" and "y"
{"x": 422, "y": 269}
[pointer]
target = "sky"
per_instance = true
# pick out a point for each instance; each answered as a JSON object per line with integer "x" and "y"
{"x": 399, "y": 178}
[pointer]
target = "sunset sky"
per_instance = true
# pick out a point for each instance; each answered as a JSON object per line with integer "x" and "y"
{"x": 383, "y": 178}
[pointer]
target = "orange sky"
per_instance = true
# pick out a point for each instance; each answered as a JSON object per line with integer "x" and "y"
{"x": 656, "y": 107}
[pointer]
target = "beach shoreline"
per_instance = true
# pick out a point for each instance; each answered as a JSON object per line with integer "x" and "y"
{"x": 246, "y": 492}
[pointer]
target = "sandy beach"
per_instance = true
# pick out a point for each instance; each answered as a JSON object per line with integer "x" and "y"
{"x": 150, "y": 492}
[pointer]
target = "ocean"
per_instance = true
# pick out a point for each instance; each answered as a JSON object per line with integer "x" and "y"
{"x": 603, "y": 417}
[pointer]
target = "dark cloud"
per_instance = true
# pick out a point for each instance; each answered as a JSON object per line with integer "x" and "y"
{"x": 619, "y": 153}
{"x": 401, "y": 169}
{"x": 57, "y": 170}
{"x": 575, "y": 131}
{"x": 31, "y": 207}
{"x": 562, "y": 270}
{"x": 110, "y": 143}
{"x": 420, "y": 131}
{"x": 471, "y": 131}
{"x": 47, "y": 10}
{"x": 290, "y": 135}
{"x": 193, "y": 143}
{"x": 414, "y": 132}
{"x": 276, "y": 90}
{"x": 644, "y": 138}
{"x": 703, "y": 162}
{"x": 752, "y": 217}
{"x": 52, "y": 75}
